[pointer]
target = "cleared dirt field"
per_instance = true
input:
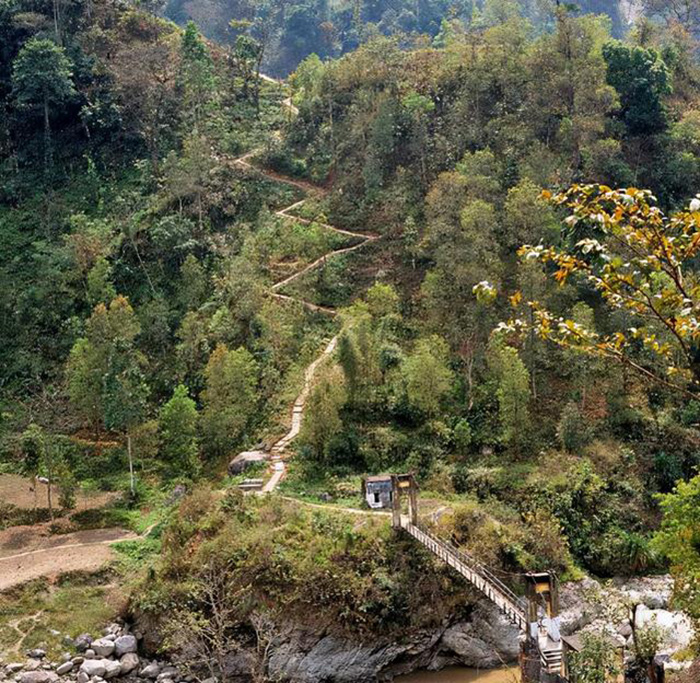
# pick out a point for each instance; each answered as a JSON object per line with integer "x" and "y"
{"x": 17, "y": 491}
{"x": 28, "y": 552}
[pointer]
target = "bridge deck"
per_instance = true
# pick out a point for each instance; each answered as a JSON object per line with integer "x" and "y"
{"x": 477, "y": 574}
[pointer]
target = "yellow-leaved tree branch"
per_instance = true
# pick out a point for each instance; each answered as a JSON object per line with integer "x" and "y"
{"x": 641, "y": 261}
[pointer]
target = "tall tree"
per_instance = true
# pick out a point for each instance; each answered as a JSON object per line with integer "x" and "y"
{"x": 641, "y": 79}
{"x": 198, "y": 77}
{"x": 322, "y": 420}
{"x": 42, "y": 81}
{"x": 228, "y": 399}
{"x": 39, "y": 457}
{"x": 427, "y": 375}
{"x": 178, "y": 423}
{"x": 105, "y": 375}
{"x": 125, "y": 397}
{"x": 513, "y": 392}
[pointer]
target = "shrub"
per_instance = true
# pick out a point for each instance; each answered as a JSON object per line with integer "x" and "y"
{"x": 595, "y": 663}
{"x": 572, "y": 430}
{"x": 462, "y": 436}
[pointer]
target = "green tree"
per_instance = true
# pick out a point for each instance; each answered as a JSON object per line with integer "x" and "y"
{"x": 463, "y": 436}
{"x": 84, "y": 372}
{"x": 641, "y": 78}
{"x": 228, "y": 399}
{"x": 418, "y": 108}
{"x": 99, "y": 284}
{"x": 322, "y": 420}
{"x": 570, "y": 98}
{"x": 246, "y": 53}
{"x": 125, "y": 396}
{"x": 106, "y": 382}
{"x": 596, "y": 662}
{"x": 513, "y": 392}
{"x": 32, "y": 449}
{"x": 67, "y": 484}
{"x": 427, "y": 375}
{"x": 192, "y": 350}
{"x": 192, "y": 288}
{"x": 42, "y": 81}
{"x": 382, "y": 300}
{"x": 178, "y": 424}
{"x": 527, "y": 219}
{"x": 357, "y": 352}
{"x": 198, "y": 77}
{"x": 679, "y": 540}
{"x": 39, "y": 457}
{"x": 187, "y": 175}
{"x": 89, "y": 361}
{"x": 572, "y": 430}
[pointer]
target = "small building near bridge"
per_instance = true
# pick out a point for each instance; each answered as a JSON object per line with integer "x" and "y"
{"x": 377, "y": 491}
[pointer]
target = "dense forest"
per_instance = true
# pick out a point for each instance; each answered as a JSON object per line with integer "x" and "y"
{"x": 291, "y": 31}
{"x": 518, "y": 334}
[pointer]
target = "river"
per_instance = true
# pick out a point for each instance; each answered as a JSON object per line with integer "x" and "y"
{"x": 462, "y": 675}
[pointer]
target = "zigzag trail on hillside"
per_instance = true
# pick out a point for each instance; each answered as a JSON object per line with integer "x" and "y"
{"x": 88, "y": 550}
{"x": 279, "y": 448}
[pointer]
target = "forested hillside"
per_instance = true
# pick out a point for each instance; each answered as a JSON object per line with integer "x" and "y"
{"x": 290, "y": 31}
{"x": 418, "y": 244}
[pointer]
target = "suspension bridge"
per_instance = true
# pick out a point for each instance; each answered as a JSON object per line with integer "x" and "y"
{"x": 536, "y": 614}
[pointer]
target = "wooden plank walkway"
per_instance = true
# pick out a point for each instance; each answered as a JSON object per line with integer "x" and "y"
{"x": 473, "y": 571}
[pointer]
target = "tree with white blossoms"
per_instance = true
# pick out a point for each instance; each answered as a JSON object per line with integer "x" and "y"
{"x": 642, "y": 262}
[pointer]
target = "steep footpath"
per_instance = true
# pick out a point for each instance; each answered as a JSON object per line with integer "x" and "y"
{"x": 279, "y": 448}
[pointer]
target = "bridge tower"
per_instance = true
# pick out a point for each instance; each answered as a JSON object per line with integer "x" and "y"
{"x": 404, "y": 484}
{"x": 542, "y": 593}
{"x": 543, "y": 636}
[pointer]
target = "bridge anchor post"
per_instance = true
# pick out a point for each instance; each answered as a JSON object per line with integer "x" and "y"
{"x": 400, "y": 484}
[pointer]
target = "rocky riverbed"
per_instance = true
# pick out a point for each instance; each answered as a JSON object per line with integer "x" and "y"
{"x": 299, "y": 654}
{"x": 585, "y": 607}
{"x": 90, "y": 659}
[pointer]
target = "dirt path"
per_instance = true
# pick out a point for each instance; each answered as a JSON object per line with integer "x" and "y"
{"x": 278, "y": 450}
{"x": 337, "y": 508}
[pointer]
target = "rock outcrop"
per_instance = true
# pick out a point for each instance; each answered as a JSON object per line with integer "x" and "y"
{"x": 582, "y": 610}
{"x": 301, "y": 655}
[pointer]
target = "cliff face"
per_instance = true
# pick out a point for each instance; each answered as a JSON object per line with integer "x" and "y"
{"x": 303, "y": 654}
{"x": 485, "y": 641}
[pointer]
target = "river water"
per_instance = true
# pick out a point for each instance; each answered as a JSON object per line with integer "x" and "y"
{"x": 462, "y": 675}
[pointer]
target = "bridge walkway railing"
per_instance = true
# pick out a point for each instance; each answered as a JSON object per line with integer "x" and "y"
{"x": 480, "y": 576}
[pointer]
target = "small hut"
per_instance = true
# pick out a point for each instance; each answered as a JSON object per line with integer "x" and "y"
{"x": 377, "y": 491}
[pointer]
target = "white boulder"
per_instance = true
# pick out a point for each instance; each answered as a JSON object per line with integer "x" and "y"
{"x": 103, "y": 647}
{"x": 125, "y": 644}
{"x": 93, "y": 667}
{"x": 129, "y": 662}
